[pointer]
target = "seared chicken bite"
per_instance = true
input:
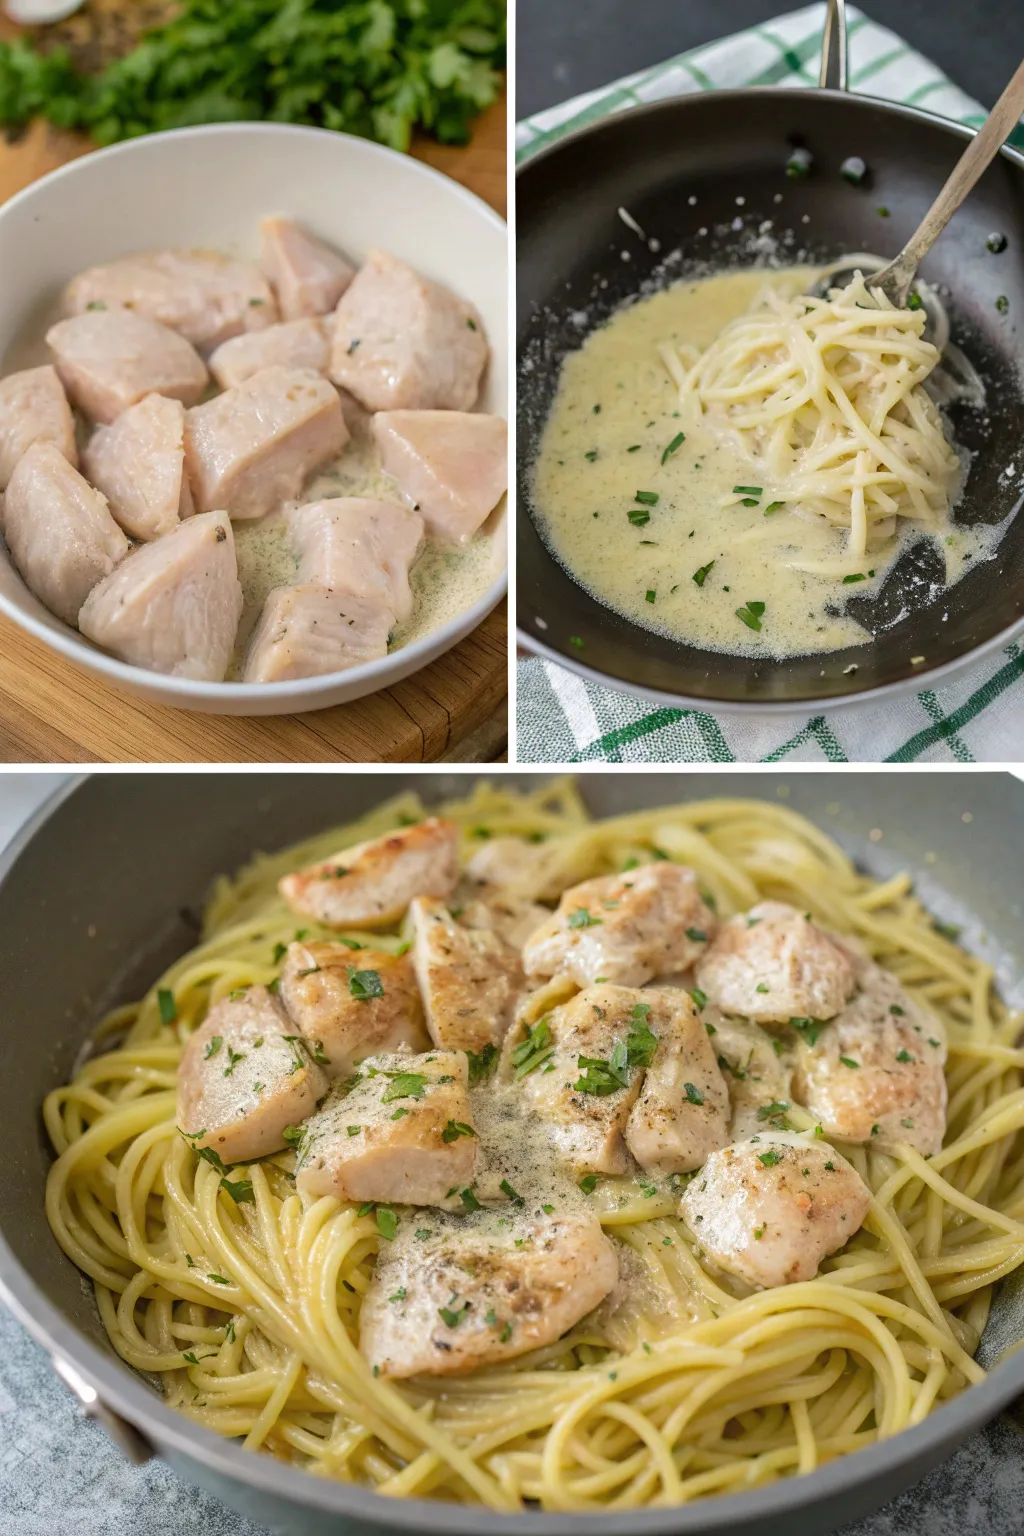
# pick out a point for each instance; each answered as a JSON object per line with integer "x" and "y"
{"x": 294, "y": 344}
{"x": 113, "y": 358}
{"x": 512, "y": 918}
{"x": 357, "y": 545}
{"x": 308, "y": 630}
{"x": 578, "y": 1074}
{"x": 451, "y": 465}
{"x": 772, "y": 964}
{"x": 308, "y": 276}
{"x": 625, "y": 928}
{"x": 34, "y": 408}
{"x": 401, "y": 1131}
{"x": 244, "y": 1077}
{"x": 507, "y": 861}
{"x": 353, "y": 1003}
{"x": 682, "y": 1113}
{"x": 758, "y": 1078}
{"x": 203, "y": 295}
{"x": 372, "y": 884}
{"x": 452, "y": 1294}
{"x": 875, "y": 1073}
{"x": 469, "y": 978}
{"x": 138, "y": 464}
{"x": 769, "y": 1210}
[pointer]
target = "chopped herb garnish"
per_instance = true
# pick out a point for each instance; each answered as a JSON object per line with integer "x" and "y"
{"x": 854, "y": 576}
{"x": 354, "y": 1130}
{"x": 468, "y": 1199}
{"x": 398, "y": 1114}
{"x": 505, "y": 1334}
{"x": 588, "y": 1183}
{"x": 762, "y": 986}
{"x": 293, "y": 1134}
{"x": 700, "y": 576}
{"x": 895, "y": 1008}
{"x": 751, "y": 615}
{"x": 404, "y": 1085}
{"x": 592, "y": 455}
{"x": 650, "y": 595}
{"x": 769, "y": 1158}
{"x": 218, "y": 1279}
{"x": 365, "y": 985}
{"x": 808, "y": 1029}
{"x": 280, "y": 950}
{"x": 882, "y": 211}
{"x": 513, "y": 1194}
{"x": 647, "y": 498}
{"x": 398, "y": 1295}
{"x": 536, "y": 1049}
{"x": 454, "y": 1129}
{"x": 677, "y": 442}
{"x": 168, "y": 1007}
{"x": 641, "y": 1041}
{"x": 576, "y": 641}
{"x": 904, "y": 1056}
{"x": 638, "y": 517}
{"x": 1002, "y": 304}
{"x": 773, "y": 506}
{"x": 213, "y": 1045}
{"x": 241, "y": 1190}
{"x": 481, "y": 1063}
{"x": 693, "y": 1094}
{"x": 387, "y": 1222}
{"x": 234, "y": 1057}
{"x": 848, "y": 1061}
{"x": 452, "y": 1317}
{"x": 696, "y": 935}
{"x": 581, "y": 918}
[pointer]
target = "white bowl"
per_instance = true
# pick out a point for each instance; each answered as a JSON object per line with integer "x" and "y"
{"x": 210, "y": 187}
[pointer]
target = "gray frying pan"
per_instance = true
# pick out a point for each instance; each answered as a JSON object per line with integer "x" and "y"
{"x": 716, "y": 147}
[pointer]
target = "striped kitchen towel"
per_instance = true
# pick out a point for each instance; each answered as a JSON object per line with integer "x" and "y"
{"x": 979, "y": 717}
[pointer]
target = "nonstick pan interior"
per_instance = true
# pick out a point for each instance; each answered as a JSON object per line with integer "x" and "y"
{"x": 702, "y": 176}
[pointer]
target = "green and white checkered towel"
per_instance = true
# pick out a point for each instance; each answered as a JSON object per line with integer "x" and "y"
{"x": 977, "y": 718}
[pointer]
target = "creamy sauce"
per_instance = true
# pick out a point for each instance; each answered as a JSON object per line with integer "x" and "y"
{"x": 686, "y": 568}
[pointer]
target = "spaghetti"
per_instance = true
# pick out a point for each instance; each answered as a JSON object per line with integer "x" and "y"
{"x": 245, "y": 1304}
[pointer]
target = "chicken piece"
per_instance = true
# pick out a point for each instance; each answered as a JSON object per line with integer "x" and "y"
{"x": 34, "y": 409}
{"x": 772, "y": 964}
{"x": 293, "y": 344}
{"x": 682, "y": 1113}
{"x": 59, "y": 531}
{"x": 469, "y": 978}
{"x": 512, "y": 918}
{"x": 452, "y": 466}
{"x": 358, "y": 545}
{"x": 476, "y": 1291}
{"x": 111, "y": 359}
{"x": 875, "y": 1073}
{"x": 244, "y": 1077}
{"x": 308, "y": 276}
{"x": 507, "y": 861}
{"x": 402, "y": 1130}
{"x": 252, "y": 447}
{"x": 174, "y": 605}
{"x": 575, "y": 1074}
{"x": 757, "y": 1076}
{"x": 625, "y": 928}
{"x": 138, "y": 464}
{"x": 352, "y": 1003}
{"x": 401, "y": 342}
{"x": 769, "y": 1210}
{"x": 372, "y": 884}
{"x": 310, "y": 630}
{"x": 203, "y": 295}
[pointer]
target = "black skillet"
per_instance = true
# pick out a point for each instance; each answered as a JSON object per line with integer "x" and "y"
{"x": 716, "y": 148}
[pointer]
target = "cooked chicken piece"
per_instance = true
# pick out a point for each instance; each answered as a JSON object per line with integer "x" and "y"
{"x": 173, "y": 606}
{"x": 293, "y": 344}
{"x": 469, "y": 978}
{"x": 34, "y": 409}
{"x": 875, "y": 1073}
{"x": 111, "y": 359}
{"x": 479, "y": 1290}
{"x": 372, "y": 884}
{"x": 402, "y": 1131}
{"x": 757, "y": 1076}
{"x": 576, "y": 1075}
{"x": 358, "y": 545}
{"x": 507, "y": 861}
{"x": 244, "y": 1077}
{"x": 682, "y": 1113}
{"x": 309, "y": 630}
{"x": 353, "y": 1003}
{"x": 252, "y": 447}
{"x": 402, "y": 342}
{"x": 308, "y": 276}
{"x": 772, "y": 964}
{"x": 512, "y": 918}
{"x": 625, "y": 928}
{"x": 203, "y": 295}
{"x": 452, "y": 466}
{"x": 59, "y": 531}
{"x": 139, "y": 465}
{"x": 769, "y": 1210}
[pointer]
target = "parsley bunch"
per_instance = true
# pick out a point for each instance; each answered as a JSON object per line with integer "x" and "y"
{"x": 375, "y": 68}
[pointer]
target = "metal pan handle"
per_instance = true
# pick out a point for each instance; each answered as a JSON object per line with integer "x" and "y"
{"x": 834, "y": 51}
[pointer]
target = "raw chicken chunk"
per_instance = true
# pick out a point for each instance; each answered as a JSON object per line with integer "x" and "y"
{"x": 469, "y": 978}
{"x": 773, "y": 963}
{"x": 59, "y": 531}
{"x": 452, "y": 466}
{"x": 625, "y": 928}
{"x": 33, "y": 409}
{"x": 402, "y": 1130}
{"x": 308, "y": 276}
{"x": 372, "y": 884}
{"x": 203, "y": 295}
{"x": 293, "y": 344}
{"x": 352, "y": 1003}
{"x": 244, "y": 1077}
{"x": 402, "y": 342}
{"x": 560, "y": 1065}
{"x": 139, "y": 465}
{"x": 253, "y": 446}
{"x": 358, "y": 545}
{"x": 758, "y": 1077}
{"x": 682, "y": 1113}
{"x": 875, "y": 1073}
{"x": 308, "y": 630}
{"x": 478, "y": 1291}
{"x": 769, "y": 1210}
{"x": 110, "y": 359}
{"x": 173, "y": 606}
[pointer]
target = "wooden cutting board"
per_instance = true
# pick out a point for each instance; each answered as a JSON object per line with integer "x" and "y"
{"x": 455, "y": 710}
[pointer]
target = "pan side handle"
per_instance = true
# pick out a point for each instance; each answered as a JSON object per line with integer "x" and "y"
{"x": 834, "y": 52}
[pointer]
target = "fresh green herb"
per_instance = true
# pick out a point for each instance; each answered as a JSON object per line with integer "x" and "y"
{"x": 576, "y": 641}
{"x": 635, "y": 448}
{"x": 506, "y": 1333}
{"x": 748, "y": 490}
{"x": 882, "y": 211}
{"x": 904, "y": 1056}
{"x": 354, "y": 1130}
{"x": 769, "y": 1158}
{"x": 676, "y": 443}
{"x": 751, "y": 615}
{"x": 700, "y": 576}
{"x": 907, "y": 1124}
{"x": 875, "y": 1130}
{"x": 848, "y": 1061}
{"x": 581, "y": 918}
{"x": 365, "y": 1208}
{"x": 404, "y": 1085}
{"x": 693, "y": 1094}
{"x": 830, "y": 1167}
{"x": 513, "y": 1194}
{"x": 229, "y": 1331}
{"x": 696, "y": 935}
{"x": 762, "y": 986}
{"x": 452, "y": 1317}
{"x": 365, "y": 985}
{"x": 280, "y": 950}
{"x": 399, "y": 1113}
{"x": 234, "y": 1057}
{"x": 808, "y": 1029}
{"x": 241, "y": 1190}
{"x": 592, "y": 455}
{"x": 311, "y": 970}
{"x": 1002, "y": 304}
{"x": 588, "y": 1183}
{"x": 387, "y": 1223}
{"x": 454, "y": 1129}
{"x": 219, "y": 1279}
{"x": 468, "y": 1199}
{"x": 165, "y": 999}
{"x": 191, "y": 1356}
{"x": 799, "y": 164}
{"x": 895, "y": 1008}
{"x": 638, "y": 517}
{"x": 481, "y": 1063}
{"x": 650, "y": 595}
{"x": 773, "y": 506}
{"x": 398, "y": 1295}
{"x": 421, "y": 1234}
{"x": 534, "y": 1051}
{"x": 854, "y": 576}
{"x": 647, "y": 498}
{"x": 758, "y": 1233}
{"x": 915, "y": 301}
{"x": 293, "y": 1134}
{"x": 641, "y": 1041}
{"x": 602, "y": 1077}
{"x": 213, "y": 1045}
